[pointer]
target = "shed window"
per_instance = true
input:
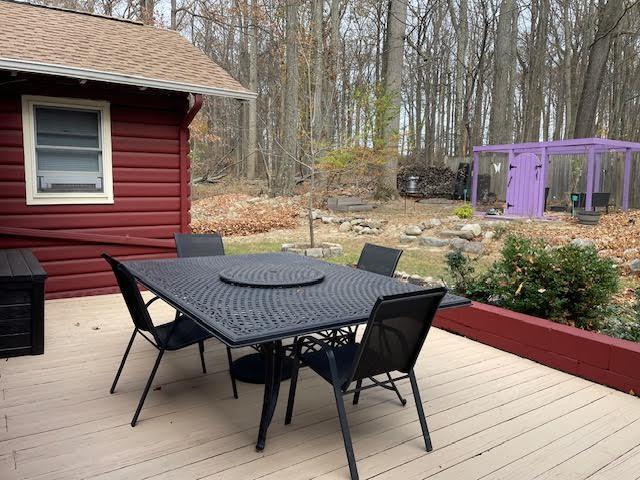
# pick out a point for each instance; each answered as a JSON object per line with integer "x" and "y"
{"x": 67, "y": 151}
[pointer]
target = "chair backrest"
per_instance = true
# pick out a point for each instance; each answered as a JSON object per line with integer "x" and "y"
{"x": 396, "y": 330}
{"x": 198, "y": 244}
{"x": 377, "y": 259}
{"x": 600, "y": 199}
{"x": 132, "y": 296}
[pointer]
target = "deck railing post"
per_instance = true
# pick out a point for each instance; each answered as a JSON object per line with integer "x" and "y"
{"x": 474, "y": 179}
{"x": 626, "y": 182}
{"x": 590, "y": 175}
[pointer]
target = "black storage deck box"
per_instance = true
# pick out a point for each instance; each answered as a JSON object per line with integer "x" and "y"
{"x": 21, "y": 304}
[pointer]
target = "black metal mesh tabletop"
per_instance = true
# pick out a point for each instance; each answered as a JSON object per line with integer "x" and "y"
{"x": 241, "y": 315}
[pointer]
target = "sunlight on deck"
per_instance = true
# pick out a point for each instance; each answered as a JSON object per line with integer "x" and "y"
{"x": 491, "y": 414}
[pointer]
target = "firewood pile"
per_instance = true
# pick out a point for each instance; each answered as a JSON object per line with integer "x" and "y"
{"x": 243, "y": 215}
{"x": 433, "y": 180}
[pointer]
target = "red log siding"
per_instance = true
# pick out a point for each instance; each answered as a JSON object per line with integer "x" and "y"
{"x": 150, "y": 161}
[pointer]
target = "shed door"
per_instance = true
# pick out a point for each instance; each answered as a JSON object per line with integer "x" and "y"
{"x": 523, "y": 185}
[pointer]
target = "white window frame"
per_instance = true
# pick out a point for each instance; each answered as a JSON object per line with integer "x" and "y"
{"x": 29, "y": 102}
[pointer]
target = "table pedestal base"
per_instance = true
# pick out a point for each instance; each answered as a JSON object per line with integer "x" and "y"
{"x": 251, "y": 368}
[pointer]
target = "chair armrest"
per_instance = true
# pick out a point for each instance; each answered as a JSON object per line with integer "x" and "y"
{"x": 324, "y": 347}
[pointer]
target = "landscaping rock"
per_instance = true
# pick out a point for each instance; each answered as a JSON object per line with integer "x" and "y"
{"x": 489, "y": 235}
{"x": 314, "y": 252}
{"x": 631, "y": 253}
{"x": 414, "y": 230}
{"x": 433, "y": 242}
{"x": 458, "y": 243}
{"x": 475, "y": 248}
{"x": 315, "y": 214}
{"x": 378, "y": 224}
{"x": 345, "y": 227}
{"x": 474, "y": 228}
{"x": 357, "y": 221}
{"x": 466, "y": 235}
{"x": 583, "y": 243}
{"x": 634, "y": 265}
{"x": 408, "y": 238}
{"x": 434, "y": 222}
{"x": 327, "y": 219}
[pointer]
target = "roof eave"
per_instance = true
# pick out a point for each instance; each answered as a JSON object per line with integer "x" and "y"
{"x": 123, "y": 79}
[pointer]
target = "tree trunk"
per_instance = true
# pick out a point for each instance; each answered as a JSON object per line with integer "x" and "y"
{"x": 393, "y": 60}
{"x": 285, "y": 181}
{"x": 609, "y": 16}
{"x": 500, "y": 127}
{"x": 460, "y": 23}
{"x": 252, "y": 147}
{"x": 534, "y": 99}
{"x": 318, "y": 72}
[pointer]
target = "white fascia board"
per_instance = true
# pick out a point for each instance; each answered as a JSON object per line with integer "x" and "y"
{"x": 73, "y": 72}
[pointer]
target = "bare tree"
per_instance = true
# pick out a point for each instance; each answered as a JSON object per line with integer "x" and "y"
{"x": 609, "y": 16}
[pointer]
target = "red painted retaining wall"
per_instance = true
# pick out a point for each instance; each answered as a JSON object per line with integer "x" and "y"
{"x": 589, "y": 355}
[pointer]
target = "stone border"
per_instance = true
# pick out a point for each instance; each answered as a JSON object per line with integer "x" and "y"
{"x": 323, "y": 250}
{"x": 596, "y": 357}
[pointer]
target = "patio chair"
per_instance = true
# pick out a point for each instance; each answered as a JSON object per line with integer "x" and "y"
{"x": 198, "y": 244}
{"x": 204, "y": 245}
{"x": 395, "y": 333}
{"x": 377, "y": 259}
{"x": 175, "y": 335}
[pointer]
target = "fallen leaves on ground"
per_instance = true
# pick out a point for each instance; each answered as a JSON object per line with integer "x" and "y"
{"x": 235, "y": 214}
{"x": 615, "y": 233}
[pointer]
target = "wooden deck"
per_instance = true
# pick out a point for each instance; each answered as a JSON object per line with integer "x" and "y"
{"x": 492, "y": 415}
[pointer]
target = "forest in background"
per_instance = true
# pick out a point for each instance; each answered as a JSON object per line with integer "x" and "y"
{"x": 356, "y": 84}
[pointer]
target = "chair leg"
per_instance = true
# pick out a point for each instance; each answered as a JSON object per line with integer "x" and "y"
{"x": 292, "y": 390}
{"x": 403, "y": 400}
{"x": 423, "y": 420}
{"x": 346, "y": 434}
{"x": 146, "y": 388}
{"x": 233, "y": 379}
{"x": 356, "y": 394}
{"x": 201, "y": 348}
{"x": 124, "y": 359}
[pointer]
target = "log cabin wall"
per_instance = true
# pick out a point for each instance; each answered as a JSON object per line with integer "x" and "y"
{"x": 150, "y": 181}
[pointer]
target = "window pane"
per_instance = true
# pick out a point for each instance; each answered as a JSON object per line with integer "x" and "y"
{"x": 69, "y": 171}
{"x": 65, "y": 127}
{"x": 68, "y": 160}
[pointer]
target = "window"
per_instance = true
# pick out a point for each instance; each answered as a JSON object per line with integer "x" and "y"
{"x": 67, "y": 151}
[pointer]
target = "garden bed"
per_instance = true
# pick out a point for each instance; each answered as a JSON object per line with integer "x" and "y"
{"x": 596, "y": 357}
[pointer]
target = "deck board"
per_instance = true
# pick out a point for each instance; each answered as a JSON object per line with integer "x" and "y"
{"x": 492, "y": 415}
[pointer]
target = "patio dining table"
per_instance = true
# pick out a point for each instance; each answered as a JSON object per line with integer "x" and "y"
{"x": 246, "y": 300}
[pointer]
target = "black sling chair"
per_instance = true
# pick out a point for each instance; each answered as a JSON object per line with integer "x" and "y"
{"x": 180, "y": 333}
{"x": 204, "y": 245}
{"x": 396, "y": 330}
{"x": 375, "y": 259}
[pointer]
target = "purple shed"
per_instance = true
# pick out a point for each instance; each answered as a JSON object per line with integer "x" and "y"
{"x": 527, "y": 174}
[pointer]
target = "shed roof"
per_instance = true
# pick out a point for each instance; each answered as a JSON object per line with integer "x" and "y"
{"x": 75, "y": 44}
{"x": 577, "y": 145}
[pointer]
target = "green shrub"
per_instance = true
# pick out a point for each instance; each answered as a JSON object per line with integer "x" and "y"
{"x": 463, "y": 211}
{"x": 567, "y": 284}
{"x": 623, "y": 321}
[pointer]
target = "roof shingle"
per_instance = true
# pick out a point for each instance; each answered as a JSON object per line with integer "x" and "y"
{"x": 45, "y": 40}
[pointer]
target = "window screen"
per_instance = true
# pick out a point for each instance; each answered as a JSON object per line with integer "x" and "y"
{"x": 68, "y": 150}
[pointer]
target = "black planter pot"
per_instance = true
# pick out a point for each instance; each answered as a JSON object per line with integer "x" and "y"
{"x": 588, "y": 217}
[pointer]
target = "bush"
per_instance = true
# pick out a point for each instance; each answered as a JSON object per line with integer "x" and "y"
{"x": 463, "y": 211}
{"x": 568, "y": 284}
